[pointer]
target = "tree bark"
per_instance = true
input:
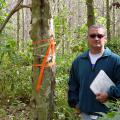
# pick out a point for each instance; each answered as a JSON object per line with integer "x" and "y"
{"x": 23, "y": 30}
{"x": 114, "y": 26}
{"x": 90, "y": 13}
{"x": 79, "y": 13}
{"x": 108, "y": 20}
{"x": 18, "y": 28}
{"x": 42, "y": 28}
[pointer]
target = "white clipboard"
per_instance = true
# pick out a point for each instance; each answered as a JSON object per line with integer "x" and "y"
{"x": 101, "y": 83}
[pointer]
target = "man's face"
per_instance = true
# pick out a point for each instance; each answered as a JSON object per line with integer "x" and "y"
{"x": 96, "y": 38}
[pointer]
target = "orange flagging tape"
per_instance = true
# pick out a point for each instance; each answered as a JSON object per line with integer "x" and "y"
{"x": 51, "y": 48}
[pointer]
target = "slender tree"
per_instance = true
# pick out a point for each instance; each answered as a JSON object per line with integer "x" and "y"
{"x": 23, "y": 29}
{"x": 90, "y": 13}
{"x": 108, "y": 20}
{"x": 113, "y": 21}
{"x": 18, "y": 28}
{"x": 42, "y": 29}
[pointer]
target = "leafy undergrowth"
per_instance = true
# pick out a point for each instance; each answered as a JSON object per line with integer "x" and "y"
{"x": 62, "y": 109}
{"x": 15, "y": 82}
{"x": 15, "y": 94}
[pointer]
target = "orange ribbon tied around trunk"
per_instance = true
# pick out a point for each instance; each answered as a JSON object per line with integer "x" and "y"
{"x": 50, "y": 49}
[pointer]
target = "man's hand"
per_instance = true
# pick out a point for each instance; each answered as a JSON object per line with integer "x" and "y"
{"x": 77, "y": 110}
{"x": 102, "y": 97}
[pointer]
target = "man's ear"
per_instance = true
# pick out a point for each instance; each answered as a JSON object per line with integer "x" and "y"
{"x": 105, "y": 38}
{"x": 105, "y": 41}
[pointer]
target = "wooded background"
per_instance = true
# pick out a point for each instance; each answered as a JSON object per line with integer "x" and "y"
{"x": 23, "y": 22}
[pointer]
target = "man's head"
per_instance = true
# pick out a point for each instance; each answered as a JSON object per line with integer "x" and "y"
{"x": 96, "y": 38}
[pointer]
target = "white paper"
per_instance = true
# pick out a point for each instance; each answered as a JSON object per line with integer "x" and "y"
{"x": 101, "y": 83}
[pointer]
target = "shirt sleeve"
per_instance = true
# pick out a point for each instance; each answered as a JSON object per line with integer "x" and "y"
{"x": 114, "y": 91}
{"x": 73, "y": 87}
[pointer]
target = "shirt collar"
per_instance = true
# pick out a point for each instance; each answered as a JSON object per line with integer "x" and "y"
{"x": 107, "y": 52}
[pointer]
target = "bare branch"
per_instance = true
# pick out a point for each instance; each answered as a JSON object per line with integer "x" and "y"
{"x": 22, "y": 6}
{"x": 16, "y": 8}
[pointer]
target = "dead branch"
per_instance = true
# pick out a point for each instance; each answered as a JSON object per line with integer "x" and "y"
{"x": 22, "y": 6}
{"x": 15, "y": 9}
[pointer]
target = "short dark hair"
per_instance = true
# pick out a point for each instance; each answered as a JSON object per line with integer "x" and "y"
{"x": 97, "y": 26}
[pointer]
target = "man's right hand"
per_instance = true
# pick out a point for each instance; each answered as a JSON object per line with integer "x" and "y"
{"x": 77, "y": 110}
{"x": 102, "y": 97}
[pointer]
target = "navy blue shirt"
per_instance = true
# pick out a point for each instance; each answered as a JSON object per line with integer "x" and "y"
{"x": 81, "y": 76}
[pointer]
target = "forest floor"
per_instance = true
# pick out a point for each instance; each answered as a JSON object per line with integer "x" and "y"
{"x": 15, "y": 110}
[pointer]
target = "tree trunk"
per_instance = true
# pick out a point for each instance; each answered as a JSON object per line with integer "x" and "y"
{"x": 23, "y": 30}
{"x": 90, "y": 13}
{"x": 114, "y": 27}
{"x": 108, "y": 20}
{"x": 63, "y": 36}
{"x": 79, "y": 13}
{"x": 103, "y": 11}
{"x": 18, "y": 29}
{"x": 42, "y": 28}
{"x": 58, "y": 4}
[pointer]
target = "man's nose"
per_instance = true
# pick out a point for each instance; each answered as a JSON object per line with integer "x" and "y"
{"x": 96, "y": 38}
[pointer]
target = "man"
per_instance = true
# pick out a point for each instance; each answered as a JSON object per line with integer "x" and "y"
{"x": 83, "y": 71}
